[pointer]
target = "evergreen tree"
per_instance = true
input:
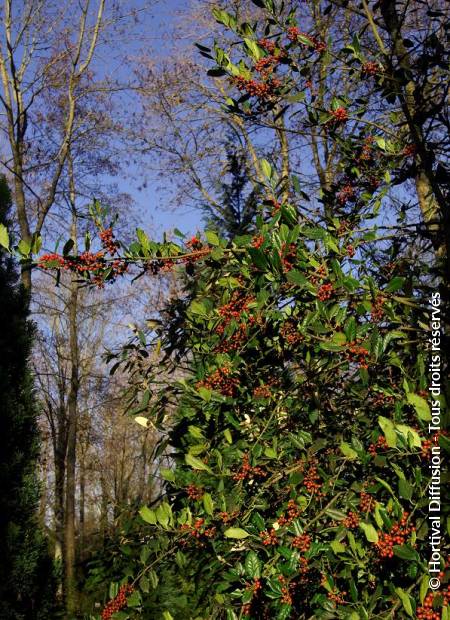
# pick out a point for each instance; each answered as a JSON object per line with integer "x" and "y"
{"x": 237, "y": 210}
{"x": 26, "y": 573}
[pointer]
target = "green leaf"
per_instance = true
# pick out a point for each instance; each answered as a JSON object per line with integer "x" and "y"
{"x": 420, "y": 405}
{"x": 336, "y": 515}
{"x": 148, "y": 515}
{"x": 167, "y": 615}
{"x": 395, "y": 284}
{"x": 253, "y": 48}
{"x": 196, "y": 432}
{"x": 411, "y": 435}
{"x": 154, "y": 579}
{"x": 266, "y": 168}
{"x": 338, "y": 547}
{"x": 163, "y": 514}
{"x": 370, "y": 532}
{"x": 196, "y": 463}
{"x": 387, "y": 426}
{"x": 405, "y": 552}
{"x": 24, "y": 248}
{"x": 235, "y": 532}
{"x": 4, "y": 237}
{"x": 143, "y": 239}
{"x": 252, "y": 565}
{"x": 144, "y": 584}
{"x": 208, "y": 503}
{"x": 270, "y": 453}
{"x": 167, "y": 474}
{"x": 424, "y": 585}
{"x": 134, "y": 599}
{"x": 406, "y": 601}
{"x": 405, "y": 489}
{"x": 197, "y": 307}
{"x": 348, "y": 451}
{"x": 211, "y": 237}
{"x": 296, "y": 277}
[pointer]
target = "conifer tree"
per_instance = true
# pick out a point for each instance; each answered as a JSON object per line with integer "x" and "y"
{"x": 25, "y": 568}
{"x": 237, "y": 210}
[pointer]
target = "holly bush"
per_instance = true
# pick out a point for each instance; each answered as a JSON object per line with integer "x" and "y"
{"x": 298, "y": 432}
{"x": 289, "y": 381}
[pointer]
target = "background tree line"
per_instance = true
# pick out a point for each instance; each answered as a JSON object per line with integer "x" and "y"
{"x": 67, "y": 140}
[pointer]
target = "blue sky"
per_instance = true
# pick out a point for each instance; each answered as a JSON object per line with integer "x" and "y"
{"x": 152, "y": 201}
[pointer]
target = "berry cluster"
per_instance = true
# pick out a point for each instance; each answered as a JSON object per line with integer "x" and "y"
{"x": 427, "y": 611}
{"x": 371, "y": 68}
{"x": 380, "y": 399}
{"x": 337, "y": 597}
{"x": 267, "y": 45}
{"x": 194, "y": 243}
{"x": 427, "y": 444}
{"x": 286, "y": 597}
{"x": 266, "y": 65}
{"x": 234, "y": 309}
{"x": 288, "y": 255}
{"x": 289, "y": 332}
{"x": 310, "y": 481}
{"x": 366, "y": 502}
{"x": 269, "y": 537}
{"x": 117, "y": 603}
{"x": 233, "y": 342}
{"x": 264, "y": 91}
{"x": 226, "y": 517}
{"x": 257, "y": 241}
{"x": 262, "y": 391}
{"x": 198, "y": 530}
{"x": 410, "y": 150}
{"x": 52, "y": 261}
{"x": 293, "y": 511}
{"x": 351, "y": 521}
{"x": 107, "y": 239}
{"x": 275, "y": 205}
{"x": 346, "y": 193}
{"x": 350, "y": 251}
{"x": 377, "y": 311}
{"x": 366, "y": 154}
{"x": 302, "y": 543}
{"x": 247, "y": 471}
{"x": 233, "y": 312}
{"x": 380, "y": 445}
{"x": 324, "y": 292}
{"x": 295, "y": 35}
{"x": 397, "y": 536}
{"x": 220, "y": 381}
{"x": 254, "y": 586}
{"x": 194, "y": 492}
{"x": 340, "y": 115}
{"x": 357, "y": 353}
{"x": 344, "y": 227}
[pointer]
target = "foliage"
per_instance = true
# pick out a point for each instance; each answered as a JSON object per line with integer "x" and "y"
{"x": 26, "y": 579}
{"x": 236, "y": 212}
{"x": 299, "y": 433}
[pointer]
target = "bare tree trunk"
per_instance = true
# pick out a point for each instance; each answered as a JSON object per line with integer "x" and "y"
{"x": 82, "y": 501}
{"x": 72, "y": 401}
{"x": 60, "y": 471}
{"x": 103, "y": 508}
{"x": 432, "y": 202}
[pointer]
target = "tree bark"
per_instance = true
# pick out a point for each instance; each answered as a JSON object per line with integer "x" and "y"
{"x": 72, "y": 411}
